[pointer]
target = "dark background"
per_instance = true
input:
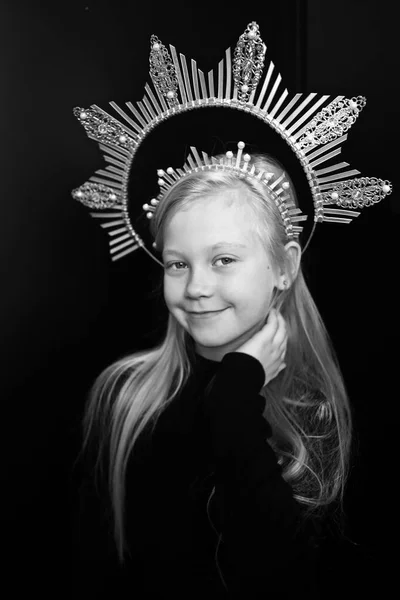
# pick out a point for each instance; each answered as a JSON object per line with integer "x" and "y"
{"x": 67, "y": 311}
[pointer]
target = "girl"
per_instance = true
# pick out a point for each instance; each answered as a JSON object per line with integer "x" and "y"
{"x": 226, "y": 444}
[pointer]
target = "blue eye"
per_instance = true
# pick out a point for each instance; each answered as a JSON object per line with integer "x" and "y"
{"x": 182, "y": 263}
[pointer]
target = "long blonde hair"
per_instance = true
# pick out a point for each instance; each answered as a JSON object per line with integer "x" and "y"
{"x": 307, "y": 405}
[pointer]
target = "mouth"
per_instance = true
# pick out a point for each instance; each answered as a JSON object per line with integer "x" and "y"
{"x": 210, "y": 313}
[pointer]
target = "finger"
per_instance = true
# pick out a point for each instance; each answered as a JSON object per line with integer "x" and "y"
{"x": 280, "y": 335}
{"x": 272, "y": 324}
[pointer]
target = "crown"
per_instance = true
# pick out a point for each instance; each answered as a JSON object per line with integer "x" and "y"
{"x": 240, "y": 164}
{"x": 313, "y": 126}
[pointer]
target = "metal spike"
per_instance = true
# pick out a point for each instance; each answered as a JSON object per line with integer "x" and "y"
{"x": 161, "y": 98}
{"x": 114, "y": 248}
{"x": 120, "y": 153}
{"x": 149, "y": 108}
{"x": 104, "y": 215}
{"x": 153, "y": 99}
{"x": 112, "y": 223}
{"x": 342, "y": 211}
{"x": 128, "y": 251}
{"x": 114, "y": 161}
{"x": 265, "y": 85}
{"x": 121, "y": 238}
{"x": 186, "y": 77}
{"x": 110, "y": 175}
{"x": 195, "y": 80}
{"x": 307, "y": 115}
{"x": 324, "y": 147}
{"x": 191, "y": 162}
{"x": 169, "y": 179}
{"x": 116, "y": 170}
{"x": 211, "y": 83}
{"x": 116, "y": 231}
{"x": 137, "y": 115}
{"x": 338, "y": 176}
{"x": 126, "y": 117}
{"x": 220, "y": 79}
{"x": 113, "y": 184}
{"x": 235, "y": 92}
{"x": 272, "y": 95}
{"x": 206, "y": 159}
{"x": 276, "y": 182}
{"x": 294, "y": 114}
{"x": 196, "y": 156}
{"x": 298, "y": 218}
{"x": 288, "y": 108}
{"x": 178, "y": 74}
{"x": 228, "y": 74}
{"x": 146, "y": 115}
{"x": 335, "y": 167}
{"x": 203, "y": 85}
{"x": 324, "y": 158}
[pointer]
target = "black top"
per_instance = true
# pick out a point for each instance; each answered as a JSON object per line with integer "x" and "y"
{"x": 215, "y": 436}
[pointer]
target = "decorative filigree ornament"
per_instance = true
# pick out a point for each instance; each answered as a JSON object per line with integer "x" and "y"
{"x": 313, "y": 125}
{"x": 358, "y": 193}
{"x": 332, "y": 122}
{"x": 248, "y": 61}
{"x": 97, "y": 195}
{"x": 101, "y": 127}
{"x": 162, "y": 71}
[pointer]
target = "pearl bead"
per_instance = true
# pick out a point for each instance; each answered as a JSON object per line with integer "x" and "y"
{"x": 154, "y": 245}
{"x": 149, "y": 215}
{"x": 353, "y": 104}
{"x": 154, "y": 202}
{"x": 145, "y": 207}
{"x": 156, "y": 46}
{"x": 161, "y": 182}
{"x": 334, "y": 196}
{"x": 285, "y": 185}
{"x": 247, "y": 157}
{"x": 79, "y": 194}
{"x": 229, "y": 154}
{"x": 113, "y": 197}
{"x": 160, "y": 172}
{"x": 251, "y": 34}
{"x": 170, "y": 94}
{"x": 241, "y": 145}
{"x": 170, "y": 171}
{"x": 122, "y": 138}
{"x": 245, "y": 88}
{"x": 386, "y": 188}
{"x": 83, "y": 115}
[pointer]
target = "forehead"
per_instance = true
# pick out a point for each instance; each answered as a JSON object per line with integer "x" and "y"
{"x": 209, "y": 220}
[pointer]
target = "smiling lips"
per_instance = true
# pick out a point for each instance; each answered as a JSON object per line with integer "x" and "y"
{"x": 206, "y": 314}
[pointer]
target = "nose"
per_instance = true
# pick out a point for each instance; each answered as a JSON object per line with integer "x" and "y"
{"x": 199, "y": 283}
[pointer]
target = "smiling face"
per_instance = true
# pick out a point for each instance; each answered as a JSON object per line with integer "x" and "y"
{"x": 235, "y": 281}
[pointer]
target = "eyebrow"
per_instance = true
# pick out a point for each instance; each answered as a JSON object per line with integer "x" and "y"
{"x": 214, "y": 247}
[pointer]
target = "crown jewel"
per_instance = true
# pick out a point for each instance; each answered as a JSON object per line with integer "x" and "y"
{"x": 313, "y": 127}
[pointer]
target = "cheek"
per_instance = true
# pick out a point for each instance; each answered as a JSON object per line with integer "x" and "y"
{"x": 171, "y": 292}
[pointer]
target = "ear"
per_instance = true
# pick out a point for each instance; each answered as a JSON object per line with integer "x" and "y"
{"x": 285, "y": 279}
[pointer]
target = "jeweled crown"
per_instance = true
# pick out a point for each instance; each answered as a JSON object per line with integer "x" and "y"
{"x": 313, "y": 127}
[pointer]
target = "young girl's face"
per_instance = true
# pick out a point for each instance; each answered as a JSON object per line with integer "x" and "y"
{"x": 233, "y": 282}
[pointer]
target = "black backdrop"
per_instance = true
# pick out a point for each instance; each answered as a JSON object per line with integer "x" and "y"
{"x": 67, "y": 311}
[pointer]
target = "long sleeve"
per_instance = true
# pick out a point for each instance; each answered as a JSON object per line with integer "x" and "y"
{"x": 265, "y": 548}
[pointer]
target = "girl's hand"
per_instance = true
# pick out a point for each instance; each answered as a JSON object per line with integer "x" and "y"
{"x": 268, "y": 345}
